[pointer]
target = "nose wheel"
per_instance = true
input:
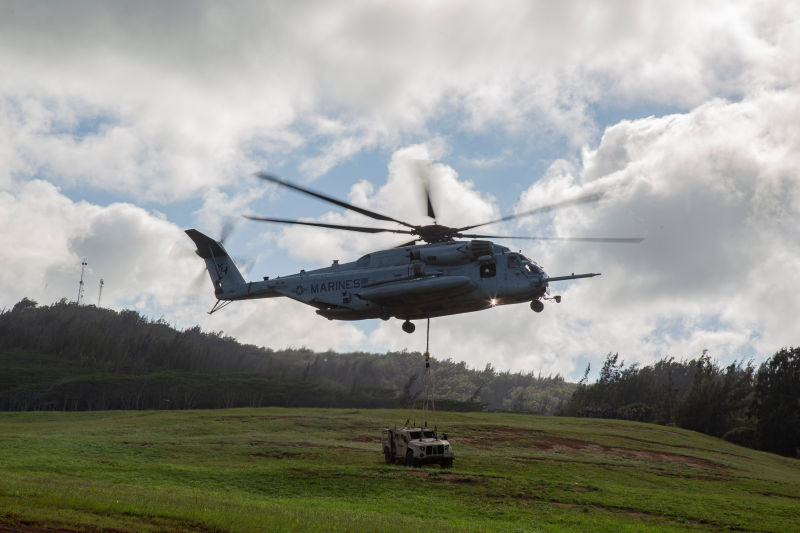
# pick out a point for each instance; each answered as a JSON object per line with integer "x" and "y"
{"x": 537, "y": 306}
{"x": 409, "y": 326}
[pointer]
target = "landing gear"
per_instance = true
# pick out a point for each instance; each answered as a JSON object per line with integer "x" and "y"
{"x": 537, "y": 306}
{"x": 409, "y": 327}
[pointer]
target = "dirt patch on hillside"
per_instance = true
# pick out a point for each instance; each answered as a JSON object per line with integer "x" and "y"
{"x": 438, "y": 476}
{"x": 539, "y": 440}
{"x": 33, "y": 527}
{"x": 249, "y": 418}
{"x": 366, "y": 439}
{"x": 561, "y": 444}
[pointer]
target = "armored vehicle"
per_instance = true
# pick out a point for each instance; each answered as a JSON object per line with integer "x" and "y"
{"x": 414, "y": 446}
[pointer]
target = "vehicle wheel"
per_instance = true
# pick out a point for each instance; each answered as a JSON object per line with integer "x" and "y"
{"x": 388, "y": 455}
{"x": 447, "y": 463}
{"x": 537, "y": 306}
{"x": 410, "y": 461}
{"x": 409, "y": 326}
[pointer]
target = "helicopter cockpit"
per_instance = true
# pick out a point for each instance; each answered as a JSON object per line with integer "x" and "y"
{"x": 527, "y": 266}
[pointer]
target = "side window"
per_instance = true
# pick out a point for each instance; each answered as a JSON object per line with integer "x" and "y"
{"x": 488, "y": 270}
{"x": 513, "y": 261}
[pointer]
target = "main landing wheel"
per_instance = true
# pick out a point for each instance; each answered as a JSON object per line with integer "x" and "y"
{"x": 537, "y": 306}
{"x": 409, "y": 327}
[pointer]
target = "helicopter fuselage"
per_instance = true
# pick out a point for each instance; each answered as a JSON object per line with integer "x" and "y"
{"x": 443, "y": 277}
{"x": 411, "y": 282}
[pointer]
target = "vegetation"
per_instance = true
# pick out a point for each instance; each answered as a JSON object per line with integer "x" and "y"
{"x": 69, "y": 357}
{"x": 777, "y": 403}
{"x": 275, "y": 469}
{"x": 758, "y": 409}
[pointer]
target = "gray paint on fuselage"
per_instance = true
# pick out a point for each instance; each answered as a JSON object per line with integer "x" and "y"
{"x": 334, "y": 289}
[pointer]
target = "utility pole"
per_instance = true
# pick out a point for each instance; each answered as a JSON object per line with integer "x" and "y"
{"x": 80, "y": 285}
{"x": 100, "y": 292}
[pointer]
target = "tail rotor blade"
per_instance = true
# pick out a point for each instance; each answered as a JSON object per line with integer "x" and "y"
{"x": 229, "y": 224}
{"x": 197, "y": 282}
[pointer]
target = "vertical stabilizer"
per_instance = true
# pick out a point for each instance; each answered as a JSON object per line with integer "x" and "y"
{"x": 228, "y": 281}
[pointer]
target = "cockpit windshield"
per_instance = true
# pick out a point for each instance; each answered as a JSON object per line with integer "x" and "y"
{"x": 520, "y": 262}
{"x": 529, "y": 267}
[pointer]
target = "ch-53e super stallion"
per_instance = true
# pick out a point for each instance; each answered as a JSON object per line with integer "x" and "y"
{"x": 443, "y": 276}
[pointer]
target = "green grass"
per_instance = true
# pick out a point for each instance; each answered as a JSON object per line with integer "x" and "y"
{"x": 277, "y": 469}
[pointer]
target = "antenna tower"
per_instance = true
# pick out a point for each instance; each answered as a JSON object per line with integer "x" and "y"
{"x": 100, "y": 292}
{"x": 80, "y": 285}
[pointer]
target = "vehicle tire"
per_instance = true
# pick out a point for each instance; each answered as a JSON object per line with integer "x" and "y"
{"x": 537, "y": 306}
{"x": 388, "y": 455}
{"x": 410, "y": 461}
{"x": 447, "y": 463}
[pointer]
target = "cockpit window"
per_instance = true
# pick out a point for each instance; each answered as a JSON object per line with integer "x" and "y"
{"x": 428, "y": 434}
{"x": 529, "y": 267}
{"x": 415, "y": 435}
{"x": 513, "y": 261}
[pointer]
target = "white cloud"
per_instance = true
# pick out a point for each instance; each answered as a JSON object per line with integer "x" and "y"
{"x": 187, "y": 94}
{"x": 715, "y": 192}
{"x": 456, "y": 203}
{"x": 144, "y": 262}
{"x": 160, "y": 103}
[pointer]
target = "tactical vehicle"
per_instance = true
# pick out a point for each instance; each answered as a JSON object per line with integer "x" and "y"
{"x": 414, "y": 446}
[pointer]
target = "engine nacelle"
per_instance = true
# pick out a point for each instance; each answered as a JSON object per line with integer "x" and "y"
{"x": 452, "y": 253}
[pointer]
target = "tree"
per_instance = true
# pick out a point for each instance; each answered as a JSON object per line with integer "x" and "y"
{"x": 777, "y": 403}
{"x": 24, "y": 304}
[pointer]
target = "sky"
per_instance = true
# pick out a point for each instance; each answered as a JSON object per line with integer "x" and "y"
{"x": 124, "y": 123}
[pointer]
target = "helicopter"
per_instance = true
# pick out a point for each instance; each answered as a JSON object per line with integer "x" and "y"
{"x": 452, "y": 272}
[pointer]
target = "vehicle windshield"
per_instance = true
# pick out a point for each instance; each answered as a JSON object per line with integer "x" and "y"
{"x": 424, "y": 434}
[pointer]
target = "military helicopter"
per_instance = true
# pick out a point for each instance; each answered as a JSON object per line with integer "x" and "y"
{"x": 443, "y": 276}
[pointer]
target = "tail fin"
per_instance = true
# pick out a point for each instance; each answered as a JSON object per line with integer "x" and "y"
{"x": 227, "y": 280}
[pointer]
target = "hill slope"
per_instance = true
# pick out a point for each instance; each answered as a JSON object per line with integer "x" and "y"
{"x": 70, "y": 357}
{"x": 322, "y": 470}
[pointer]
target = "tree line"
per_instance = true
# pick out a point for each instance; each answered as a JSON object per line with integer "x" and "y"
{"x": 752, "y": 407}
{"x": 71, "y": 357}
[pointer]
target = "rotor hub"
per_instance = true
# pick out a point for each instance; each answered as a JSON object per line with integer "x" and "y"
{"x": 434, "y": 233}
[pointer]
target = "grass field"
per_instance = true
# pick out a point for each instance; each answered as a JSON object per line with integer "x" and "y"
{"x": 277, "y": 469}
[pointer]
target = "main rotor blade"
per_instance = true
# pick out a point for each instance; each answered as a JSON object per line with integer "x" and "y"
{"x": 362, "y": 229}
{"x": 423, "y": 173}
{"x": 586, "y": 199}
{"x": 619, "y": 240}
{"x": 372, "y": 214}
